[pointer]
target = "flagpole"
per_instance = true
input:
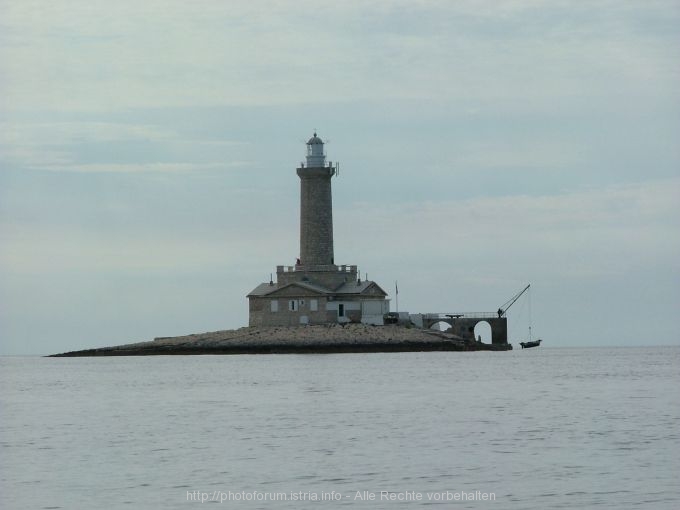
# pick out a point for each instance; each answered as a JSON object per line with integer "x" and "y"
{"x": 396, "y": 293}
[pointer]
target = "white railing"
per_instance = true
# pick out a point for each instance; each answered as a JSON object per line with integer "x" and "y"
{"x": 341, "y": 269}
{"x": 462, "y": 315}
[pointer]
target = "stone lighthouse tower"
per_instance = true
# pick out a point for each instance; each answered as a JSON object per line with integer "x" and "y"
{"x": 316, "y": 290}
{"x": 316, "y": 208}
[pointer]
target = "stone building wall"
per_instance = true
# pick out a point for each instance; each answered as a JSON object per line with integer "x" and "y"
{"x": 287, "y": 314}
{"x": 261, "y": 314}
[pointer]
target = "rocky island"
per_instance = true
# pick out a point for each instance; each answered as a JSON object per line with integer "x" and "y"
{"x": 320, "y": 339}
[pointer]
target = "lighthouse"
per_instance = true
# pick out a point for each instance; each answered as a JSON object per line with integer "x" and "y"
{"x": 316, "y": 290}
{"x": 316, "y": 208}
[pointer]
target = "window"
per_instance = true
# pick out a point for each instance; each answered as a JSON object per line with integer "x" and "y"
{"x": 341, "y": 310}
{"x": 275, "y": 305}
{"x": 292, "y": 305}
{"x": 313, "y": 305}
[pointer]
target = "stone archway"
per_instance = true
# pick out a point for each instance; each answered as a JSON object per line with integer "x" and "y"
{"x": 464, "y": 326}
{"x": 441, "y": 325}
{"x": 483, "y": 331}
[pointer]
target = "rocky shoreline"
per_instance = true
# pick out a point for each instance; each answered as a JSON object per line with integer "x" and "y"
{"x": 317, "y": 339}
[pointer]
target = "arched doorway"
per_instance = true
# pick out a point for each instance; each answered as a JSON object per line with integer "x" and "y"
{"x": 483, "y": 330}
{"x": 440, "y": 326}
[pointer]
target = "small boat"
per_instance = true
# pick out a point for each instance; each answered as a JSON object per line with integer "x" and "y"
{"x": 530, "y": 343}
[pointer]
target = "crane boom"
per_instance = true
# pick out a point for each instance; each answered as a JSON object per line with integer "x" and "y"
{"x": 506, "y": 306}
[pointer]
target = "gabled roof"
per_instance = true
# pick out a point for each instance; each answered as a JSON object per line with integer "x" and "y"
{"x": 364, "y": 287}
{"x": 265, "y": 289}
{"x": 262, "y": 289}
{"x": 346, "y": 289}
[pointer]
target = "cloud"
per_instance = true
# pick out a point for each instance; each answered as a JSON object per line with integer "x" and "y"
{"x": 599, "y": 233}
{"x": 140, "y": 167}
{"x": 60, "y": 146}
{"x": 34, "y": 249}
{"x": 524, "y": 153}
{"x": 61, "y": 132}
{"x": 56, "y": 133}
{"x": 67, "y": 56}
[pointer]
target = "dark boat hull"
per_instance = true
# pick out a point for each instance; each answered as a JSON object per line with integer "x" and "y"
{"x": 527, "y": 345}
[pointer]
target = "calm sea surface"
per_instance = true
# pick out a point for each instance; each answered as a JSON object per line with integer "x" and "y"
{"x": 536, "y": 429}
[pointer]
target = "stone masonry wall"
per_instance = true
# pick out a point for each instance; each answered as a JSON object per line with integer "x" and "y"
{"x": 261, "y": 314}
{"x": 316, "y": 216}
{"x": 331, "y": 279}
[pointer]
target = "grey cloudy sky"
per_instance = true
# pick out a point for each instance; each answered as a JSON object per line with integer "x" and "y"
{"x": 148, "y": 153}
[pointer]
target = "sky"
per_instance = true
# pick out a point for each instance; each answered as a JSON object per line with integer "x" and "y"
{"x": 148, "y": 154}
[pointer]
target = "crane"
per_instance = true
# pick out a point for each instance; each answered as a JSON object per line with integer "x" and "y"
{"x": 506, "y": 306}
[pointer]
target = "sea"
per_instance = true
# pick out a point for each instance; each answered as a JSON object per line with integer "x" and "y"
{"x": 537, "y": 429}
